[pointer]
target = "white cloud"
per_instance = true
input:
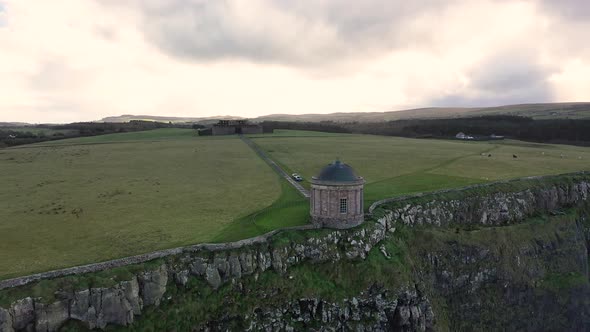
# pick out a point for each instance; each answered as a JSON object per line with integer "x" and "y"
{"x": 75, "y": 60}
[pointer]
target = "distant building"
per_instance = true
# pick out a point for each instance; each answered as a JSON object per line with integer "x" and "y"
{"x": 336, "y": 198}
{"x": 462, "y": 135}
{"x": 494, "y": 136}
{"x": 230, "y": 127}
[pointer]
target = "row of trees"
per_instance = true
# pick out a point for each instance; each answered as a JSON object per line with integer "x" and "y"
{"x": 13, "y": 137}
{"x": 523, "y": 128}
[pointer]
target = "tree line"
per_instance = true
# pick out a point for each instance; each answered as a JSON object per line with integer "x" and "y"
{"x": 523, "y": 128}
{"x": 32, "y": 134}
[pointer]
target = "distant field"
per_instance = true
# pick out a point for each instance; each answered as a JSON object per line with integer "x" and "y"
{"x": 298, "y": 133}
{"x": 83, "y": 200}
{"x": 157, "y": 135}
{"x": 394, "y": 166}
{"x": 64, "y": 205}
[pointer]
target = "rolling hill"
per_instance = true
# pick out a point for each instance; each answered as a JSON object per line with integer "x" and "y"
{"x": 536, "y": 111}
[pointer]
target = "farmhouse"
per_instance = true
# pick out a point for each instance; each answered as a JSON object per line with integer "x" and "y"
{"x": 462, "y": 135}
{"x": 336, "y": 198}
{"x": 230, "y": 127}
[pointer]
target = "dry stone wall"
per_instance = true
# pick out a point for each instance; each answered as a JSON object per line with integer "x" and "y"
{"x": 96, "y": 267}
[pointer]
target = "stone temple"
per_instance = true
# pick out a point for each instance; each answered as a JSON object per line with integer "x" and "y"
{"x": 336, "y": 199}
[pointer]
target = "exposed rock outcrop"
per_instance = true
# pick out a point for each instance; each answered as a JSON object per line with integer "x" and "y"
{"x": 496, "y": 208}
{"x": 153, "y": 285}
{"x": 5, "y": 321}
{"x": 49, "y": 317}
{"x": 23, "y": 314}
{"x": 377, "y": 310}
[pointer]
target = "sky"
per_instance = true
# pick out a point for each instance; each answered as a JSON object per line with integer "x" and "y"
{"x": 82, "y": 60}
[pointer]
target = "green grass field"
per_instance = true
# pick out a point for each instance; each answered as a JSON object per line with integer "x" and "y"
{"x": 394, "y": 166}
{"x": 149, "y": 135}
{"x": 82, "y": 200}
{"x": 296, "y": 133}
{"x": 64, "y": 205}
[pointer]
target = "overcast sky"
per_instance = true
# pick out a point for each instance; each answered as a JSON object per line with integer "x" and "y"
{"x": 80, "y": 60}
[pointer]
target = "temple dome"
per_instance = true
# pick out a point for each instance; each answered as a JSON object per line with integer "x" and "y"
{"x": 337, "y": 172}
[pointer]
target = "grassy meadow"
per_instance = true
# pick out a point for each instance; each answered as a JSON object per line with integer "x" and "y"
{"x": 394, "y": 166}
{"x": 66, "y": 204}
{"x": 82, "y": 200}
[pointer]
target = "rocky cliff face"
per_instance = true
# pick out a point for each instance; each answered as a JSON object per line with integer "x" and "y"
{"x": 376, "y": 311}
{"x": 530, "y": 277}
{"x": 97, "y": 307}
{"x": 453, "y": 278}
{"x": 485, "y": 208}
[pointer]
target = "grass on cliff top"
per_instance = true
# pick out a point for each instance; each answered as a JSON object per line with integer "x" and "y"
{"x": 290, "y": 209}
{"x": 514, "y": 185}
{"x": 68, "y": 204}
{"x": 394, "y": 166}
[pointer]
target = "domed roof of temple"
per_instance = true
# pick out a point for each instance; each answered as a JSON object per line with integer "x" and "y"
{"x": 337, "y": 172}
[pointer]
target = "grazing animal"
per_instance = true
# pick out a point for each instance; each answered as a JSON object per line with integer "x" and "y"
{"x": 514, "y": 156}
{"x": 561, "y": 156}
{"x": 489, "y": 155}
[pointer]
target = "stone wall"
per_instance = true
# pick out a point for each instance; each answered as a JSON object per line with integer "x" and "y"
{"x": 221, "y": 130}
{"x": 251, "y": 129}
{"x": 96, "y": 267}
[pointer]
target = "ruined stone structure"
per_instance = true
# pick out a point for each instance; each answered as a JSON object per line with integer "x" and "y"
{"x": 337, "y": 197}
{"x": 230, "y": 127}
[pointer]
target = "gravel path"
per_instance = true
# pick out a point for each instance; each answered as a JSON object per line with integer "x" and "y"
{"x": 275, "y": 166}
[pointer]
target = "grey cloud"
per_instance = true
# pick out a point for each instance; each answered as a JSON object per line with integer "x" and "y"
{"x": 106, "y": 32}
{"x": 508, "y": 72}
{"x": 569, "y": 9}
{"x": 2, "y": 13}
{"x": 507, "y": 78}
{"x": 55, "y": 74}
{"x": 534, "y": 94}
{"x": 312, "y": 32}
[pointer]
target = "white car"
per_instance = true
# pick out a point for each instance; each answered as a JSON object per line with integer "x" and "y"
{"x": 296, "y": 177}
